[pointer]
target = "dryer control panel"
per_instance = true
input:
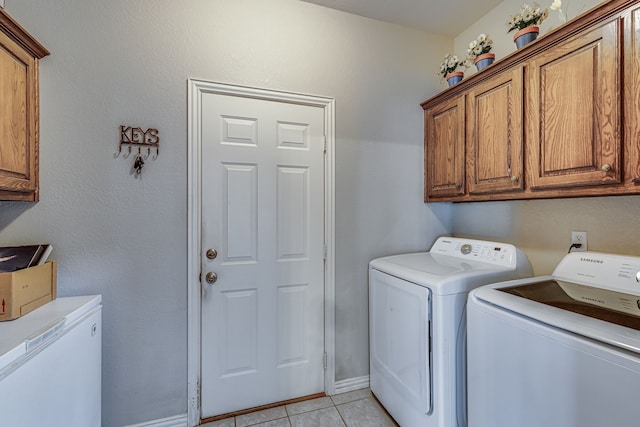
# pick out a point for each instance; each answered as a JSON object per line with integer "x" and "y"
{"x": 478, "y": 250}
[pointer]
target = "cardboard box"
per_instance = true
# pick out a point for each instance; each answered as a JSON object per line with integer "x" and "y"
{"x": 25, "y": 290}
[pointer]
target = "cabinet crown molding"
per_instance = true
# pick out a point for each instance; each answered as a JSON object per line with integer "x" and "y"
{"x": 18, "y": 34}
{"x": 599, "y": 13}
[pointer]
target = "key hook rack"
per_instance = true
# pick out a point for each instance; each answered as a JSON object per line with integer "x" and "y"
{"x": 134, "y": 136}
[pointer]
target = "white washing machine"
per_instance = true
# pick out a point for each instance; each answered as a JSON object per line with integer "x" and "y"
{"x": 417, "y": 325}
{"x": 559, "y": 350}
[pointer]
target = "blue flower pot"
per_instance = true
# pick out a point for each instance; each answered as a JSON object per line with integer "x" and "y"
{"x": 453, "y": 78}
{"x": 526, "y": 35}
{"x": 484, "y": 60}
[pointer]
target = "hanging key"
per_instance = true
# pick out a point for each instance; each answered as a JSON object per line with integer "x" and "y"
{"x": 138, "y": 164}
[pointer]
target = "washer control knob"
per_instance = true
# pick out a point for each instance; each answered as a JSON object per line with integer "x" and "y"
{"x": 465, "y": 249}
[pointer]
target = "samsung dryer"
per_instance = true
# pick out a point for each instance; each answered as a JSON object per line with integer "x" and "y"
{"x": 417, "y": 325}
{"x": 559, "y": 350}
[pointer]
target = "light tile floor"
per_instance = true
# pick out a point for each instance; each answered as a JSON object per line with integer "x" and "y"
{"x": 354, "y": 409}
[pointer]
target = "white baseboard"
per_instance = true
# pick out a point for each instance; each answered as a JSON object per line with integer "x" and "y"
{"x": 342, "y": 386}
{"x": 175, "y": 421}
{"x": 351, "y": 384}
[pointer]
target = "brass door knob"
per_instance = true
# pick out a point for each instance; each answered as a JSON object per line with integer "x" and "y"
{"x": 514, "y": 178}
{"x": 606, "y": 167}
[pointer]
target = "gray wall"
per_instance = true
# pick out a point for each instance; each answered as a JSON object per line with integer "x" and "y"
{"x": 126, "y": 62}
{"x": 542, "y": 228}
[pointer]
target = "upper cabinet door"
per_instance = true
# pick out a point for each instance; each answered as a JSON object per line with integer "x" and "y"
{"x": 19, "y": 122}
{"x": 574, "y": 112}
{"x": 444, "y": 149}
{"x": 494, "y": 134}
{"x": 632, "y": 96}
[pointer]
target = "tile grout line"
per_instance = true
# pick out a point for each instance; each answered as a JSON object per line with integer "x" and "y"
{"x": 340, "y": 414}
{"x": 288, "y": 416}
{"x": 333, "y": 405}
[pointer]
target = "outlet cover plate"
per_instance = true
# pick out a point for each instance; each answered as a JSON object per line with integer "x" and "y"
{"x": 581, "y": 238}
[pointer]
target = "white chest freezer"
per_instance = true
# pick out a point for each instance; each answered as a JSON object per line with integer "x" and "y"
{"x": 50, "y": 365}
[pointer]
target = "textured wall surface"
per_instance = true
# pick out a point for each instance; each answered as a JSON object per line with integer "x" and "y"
{"x": 125, "y": 237}
{"x": 542, "y": 228}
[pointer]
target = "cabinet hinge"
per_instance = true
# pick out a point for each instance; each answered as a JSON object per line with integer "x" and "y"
{"x": 324, "y": 252}
{"x": 324, "y": 139}
{"x": 324, "y": 360}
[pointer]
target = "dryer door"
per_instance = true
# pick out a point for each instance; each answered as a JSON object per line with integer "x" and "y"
{"x": 400, "y": 353}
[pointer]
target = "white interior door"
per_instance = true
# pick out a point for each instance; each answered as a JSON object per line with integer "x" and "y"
{"x": 263, "y": 213}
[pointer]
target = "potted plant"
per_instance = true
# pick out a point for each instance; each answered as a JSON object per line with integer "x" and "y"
{"x": 449, "y": 67}
{"x": 527, "y": 22}
{"x": 479, "y": 51}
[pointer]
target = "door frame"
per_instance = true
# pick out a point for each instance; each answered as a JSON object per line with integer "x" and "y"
{"x": 194, "y": 294}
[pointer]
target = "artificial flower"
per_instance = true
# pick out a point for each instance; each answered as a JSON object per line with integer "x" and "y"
{"x": 528, "y": 16}
{"x": 451, "y": 64}
{"x": 482, "y": 44}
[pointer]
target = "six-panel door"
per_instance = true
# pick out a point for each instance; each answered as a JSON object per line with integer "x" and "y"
{"x": 263, "y": 212}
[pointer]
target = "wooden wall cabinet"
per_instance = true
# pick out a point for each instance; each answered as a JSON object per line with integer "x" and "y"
{"x": 574, "y": 120}
{"x": 19, "y": 114}
{"x": 632, "y": 96}
{"x": 444, "y": 125}
{"x": 557, "y": 118}
{"x": 495, "y": 134}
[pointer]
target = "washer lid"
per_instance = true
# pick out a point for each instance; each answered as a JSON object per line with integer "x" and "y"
{"x": 443, "y": 274}
{"x": 603, "y": 304}
{"x": 552, "y": 305}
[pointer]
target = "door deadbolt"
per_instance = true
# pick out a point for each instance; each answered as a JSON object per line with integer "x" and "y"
{"x": 212, "y": 254}
{"x": 211, "y": 278}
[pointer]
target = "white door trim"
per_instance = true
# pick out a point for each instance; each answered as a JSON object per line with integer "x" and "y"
{"x": 194, "y": 142}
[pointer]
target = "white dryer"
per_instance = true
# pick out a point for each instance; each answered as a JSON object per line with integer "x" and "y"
{"x": 417, "y": 325}
{"x": 559, "y": 350}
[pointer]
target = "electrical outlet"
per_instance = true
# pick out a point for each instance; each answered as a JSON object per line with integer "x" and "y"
{"x": 579, "y": 238}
